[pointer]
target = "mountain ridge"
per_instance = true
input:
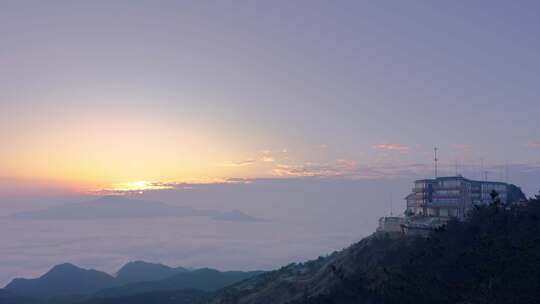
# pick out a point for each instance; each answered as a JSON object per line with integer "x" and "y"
{"x": 67, "y": 280}
{"x": 120, "y": 207}
{"x": 140, "y": 271}
{"x": 62, "y": 280}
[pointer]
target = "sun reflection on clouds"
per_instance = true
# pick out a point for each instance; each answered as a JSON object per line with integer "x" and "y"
{"x": 144, "y": 186}
{"x": 139, "y": 186}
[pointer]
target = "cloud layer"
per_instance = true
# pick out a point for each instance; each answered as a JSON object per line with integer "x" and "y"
{"x": 392, "y": 147}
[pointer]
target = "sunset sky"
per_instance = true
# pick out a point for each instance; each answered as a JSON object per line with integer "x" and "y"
{"x": 107, "y": 95}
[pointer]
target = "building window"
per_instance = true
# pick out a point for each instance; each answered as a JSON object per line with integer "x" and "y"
{"x": 443, "y": 212}
{"x": 447, "y": 192}
{"x": 446, "y": 201}
{"x": 451, "y": 183}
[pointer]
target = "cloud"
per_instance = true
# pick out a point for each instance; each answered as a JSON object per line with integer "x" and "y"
{"x": 340, "y": 168}
{"x": 267, "y": 159}
{"x": 533, "y": 144}
{"x": 119, "y": 189}
{"x": 277, "y": 151}
{"x": 264, "y": 156}
{"x": 141, "y": 185}
{"x": 241, "y": 163}
{"x": 351, "y": 169}
{"x": 392, "y": 147}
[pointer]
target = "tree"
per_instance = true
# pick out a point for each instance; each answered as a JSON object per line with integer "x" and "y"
{"x": 495, "y": 199}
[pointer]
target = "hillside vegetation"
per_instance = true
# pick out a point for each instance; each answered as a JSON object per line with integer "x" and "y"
{"x": 493, "y": 257}
{"x": 204, "y": 279}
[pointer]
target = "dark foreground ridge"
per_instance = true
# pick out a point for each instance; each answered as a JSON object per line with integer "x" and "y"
{"x": 492, "y": 257}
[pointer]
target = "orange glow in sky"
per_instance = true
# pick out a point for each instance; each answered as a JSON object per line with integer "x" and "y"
{"x": 125, "y": 152}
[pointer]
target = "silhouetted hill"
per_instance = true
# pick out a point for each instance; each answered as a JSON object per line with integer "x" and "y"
{"x": 140, "y": 271}
{"x": 493, "y": 257}
{"x": 202, "y": 279}
{"x": 62, "y": 280}
{"x": 67, "y": 283}
{"x": 300, "y": 280}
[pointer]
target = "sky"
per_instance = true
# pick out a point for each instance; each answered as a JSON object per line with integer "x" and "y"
{"x": 146, "y": 98}
{"x": 97, "y": 93}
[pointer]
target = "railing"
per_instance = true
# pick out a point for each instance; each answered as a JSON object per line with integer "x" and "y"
{"x": 435, "y": 195}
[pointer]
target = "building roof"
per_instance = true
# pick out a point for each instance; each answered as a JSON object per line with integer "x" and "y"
{"x": 459, "y": 177}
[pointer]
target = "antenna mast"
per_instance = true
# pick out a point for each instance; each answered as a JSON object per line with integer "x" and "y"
{"x": 436, "y": 160}
{"x": 481, "y": 167}
{"x": 506, "y": 172}
{"x": 391, "y": 205}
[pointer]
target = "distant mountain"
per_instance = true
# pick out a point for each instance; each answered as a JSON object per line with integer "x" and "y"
{"x": 62, "y": 280}
{"x": 140, "y": 271}
{"x": 202, "y": 279}
{"x": 236, "y": 216}
{"x": 113, "y": 207}
{"x": 67, "y": 283}
{"x": 118, "y": 207}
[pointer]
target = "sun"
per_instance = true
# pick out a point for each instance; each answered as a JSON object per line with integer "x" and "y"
{"x": 139, "y": 186}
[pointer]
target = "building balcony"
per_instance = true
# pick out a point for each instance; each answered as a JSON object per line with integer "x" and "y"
{"x": 436, "y": 196}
